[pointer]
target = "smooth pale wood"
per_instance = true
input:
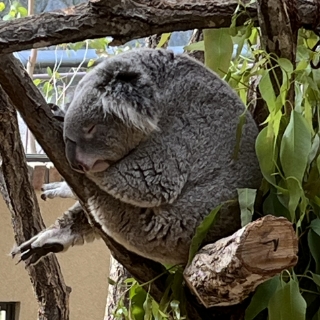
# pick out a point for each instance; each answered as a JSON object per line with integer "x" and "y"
{"x": 226, "y": 272}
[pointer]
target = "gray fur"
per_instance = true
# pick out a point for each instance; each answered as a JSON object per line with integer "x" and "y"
{"x": 157, "y": 132}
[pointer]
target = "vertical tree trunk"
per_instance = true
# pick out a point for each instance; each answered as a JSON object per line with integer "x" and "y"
{"x": 116, "y": 289}
{"x": 48, "y": 284}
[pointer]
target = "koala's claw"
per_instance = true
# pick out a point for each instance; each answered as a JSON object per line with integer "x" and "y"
{"x": 55, "y": 190}
{"x": 45, "y": 242}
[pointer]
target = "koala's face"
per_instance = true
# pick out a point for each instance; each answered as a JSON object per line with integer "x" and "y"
{"x": 115, "y": 106}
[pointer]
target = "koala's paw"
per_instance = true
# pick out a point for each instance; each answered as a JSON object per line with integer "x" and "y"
{"x": 50, "y": 240}
{"x": 55, "y": 190}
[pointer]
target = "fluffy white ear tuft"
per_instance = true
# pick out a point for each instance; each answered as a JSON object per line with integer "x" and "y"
{"x": 129, "y": 115}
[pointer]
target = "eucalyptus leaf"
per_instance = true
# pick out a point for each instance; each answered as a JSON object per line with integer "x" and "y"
{"x": 287, "y": 303}
{"x": 313, "y": 242}
{"x": 246, "y": 198}
{"x": 265, "y": 153}
{"x": 218, "y": 50}
{"x": 261, "y": 297}
{"x": 295, "y": 147}
{"x": 164, "y": 38}
{"x": 267, "y": 91}
{"x": 316, "y": 278}
{"x": 196, "y": 46}
{"x": 315, "y": 226}
{"x": 202, "y": 231}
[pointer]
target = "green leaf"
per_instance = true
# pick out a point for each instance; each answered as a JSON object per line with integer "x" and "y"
{"x": 90, "y": 62}
{"x": 287, "y": 303}
{"x": 272, "y": 205}
{"x": 286, "y": 65}
{"x": 37, "y": 82}
{"x": 295, "y": 147}
{"x": 316, "y": 278}
{"x": 265, "y": 153}
{"x": 261, "y": 297}
{"x": 218, "y": 50}
{"x": 313, "y": 243}
{"x": 147, "y": 306}
{"x": 241, "y": 123}
{"x": 6, "y": 17}
{"x": 295, "y": 194}
{"x": 49, "y": 71}
{"x": 196, "y": 46}
{"x": 138, "y": 297}
{"x": 174, "y": 304}
{"x": 2, "y": 6}
{"x": 23, "y": 11}
{"x": 267, "y": 92}
{"x": 202, "y": 231}
{"x": 164, "y": 38}
{"x": 246, "y": 199}
{"x": 315, "y": 226}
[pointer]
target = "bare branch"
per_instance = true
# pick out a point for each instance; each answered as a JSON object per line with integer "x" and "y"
{"x": 131, "y": 19}
{"x": 123, "y": 20}
{"x": 46, "y": 277}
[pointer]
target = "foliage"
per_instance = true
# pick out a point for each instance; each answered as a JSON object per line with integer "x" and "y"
{"x": 141, "y": 306}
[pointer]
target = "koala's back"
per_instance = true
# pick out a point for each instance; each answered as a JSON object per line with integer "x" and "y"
{"x": 194, "y": 149}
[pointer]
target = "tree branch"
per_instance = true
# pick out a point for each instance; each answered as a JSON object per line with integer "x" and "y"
{"x": 46, "y": 277}
{"x": 131, "y": 19}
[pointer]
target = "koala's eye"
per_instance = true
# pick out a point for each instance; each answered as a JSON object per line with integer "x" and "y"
{"x": 91, "y": 129}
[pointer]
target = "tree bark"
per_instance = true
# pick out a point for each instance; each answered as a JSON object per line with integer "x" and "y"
{"x": 116, "y": 289}
{"x": 226, "y": 272}
{"x": 278, "y": 21}
{"x": 132, "y": 19}
{"x": 46, "y": 277}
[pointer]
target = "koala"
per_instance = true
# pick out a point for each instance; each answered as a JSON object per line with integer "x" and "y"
{"x": 156, "y": 132}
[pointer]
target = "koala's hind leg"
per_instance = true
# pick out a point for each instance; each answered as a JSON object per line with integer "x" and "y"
{"x": 56, "y": 190}
{"x": 71, "y": 229}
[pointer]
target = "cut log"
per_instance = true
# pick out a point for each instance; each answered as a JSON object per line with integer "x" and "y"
{"x": 226, "y": 272}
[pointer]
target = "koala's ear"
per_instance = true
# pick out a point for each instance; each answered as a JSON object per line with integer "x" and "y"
{"x": 132, "y": 100}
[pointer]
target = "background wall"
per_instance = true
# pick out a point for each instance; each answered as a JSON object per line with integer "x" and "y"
{"x": 85, "y": 270}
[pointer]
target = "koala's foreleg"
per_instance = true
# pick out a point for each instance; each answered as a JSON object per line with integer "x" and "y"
{"x": 143, "y": 184}
{"x": 71, "y": 229}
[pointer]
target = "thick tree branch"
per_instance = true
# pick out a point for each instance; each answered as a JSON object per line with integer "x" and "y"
{"x": 123, "y": 20}
{"x": 47, "y": 280}
{"x": 131, "y": 19}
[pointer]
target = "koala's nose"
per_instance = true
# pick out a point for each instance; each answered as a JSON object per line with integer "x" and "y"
{"x": 79, "y": 166}
{"x": 76, "y": 159}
